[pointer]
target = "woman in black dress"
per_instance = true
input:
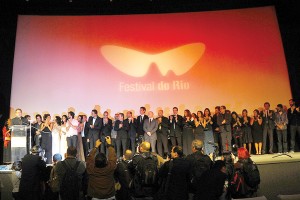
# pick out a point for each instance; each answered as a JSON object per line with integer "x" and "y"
{"x": 46, "y": 143}
{"x": 246, "y": 129}
{"x": 199, "y": 129}
{"x": 208, "y": 133}
{"x": 187, "y": 133}
{"x": 257, "y": 131}
{"x": 236, "y": 129}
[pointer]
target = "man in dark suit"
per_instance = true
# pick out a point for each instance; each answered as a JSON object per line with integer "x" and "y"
{"x": 150, "y": 128}
{"x": 121, "y": 127}
{"x": 140, "y": 123}
{"x": 216, "y": 129}
{"x": 85, "y": 135}
{"x": 268, "y": 117}
{"x": 95, "y": 124}
{"x": 19, "y": 120}
{"x": 162, "y": 134}
{"x": 33, "y": 171}
{"x": 105, "y": 131}
{"x": 175, "y": 126}
{"x": 293, "y": 114}
{"x": 224, "y": 122}
{"x": 131, "y": 130}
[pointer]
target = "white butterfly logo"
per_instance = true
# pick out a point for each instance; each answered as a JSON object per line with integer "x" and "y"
{"x": 135, "y": 63}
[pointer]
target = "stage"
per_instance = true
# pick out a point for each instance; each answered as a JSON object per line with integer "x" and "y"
{"x": 279, "y": 175}
{"x": 275, "y": 158}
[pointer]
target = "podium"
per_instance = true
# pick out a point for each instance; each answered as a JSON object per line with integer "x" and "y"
{"x": 18, "y": 142}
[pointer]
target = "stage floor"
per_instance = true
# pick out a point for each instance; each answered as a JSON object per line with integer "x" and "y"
{"x": 275, "y": 158}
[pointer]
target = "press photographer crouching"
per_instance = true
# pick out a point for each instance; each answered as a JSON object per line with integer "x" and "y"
{"x": 32, "y": 179}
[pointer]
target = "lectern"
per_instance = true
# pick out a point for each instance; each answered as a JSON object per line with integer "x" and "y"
{"x": 18, "y": 142}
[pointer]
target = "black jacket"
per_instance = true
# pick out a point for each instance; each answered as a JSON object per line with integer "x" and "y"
{"x": 179, "y": 179}
{"x": 33, "y": 173}
{"x": 212, "y": 185}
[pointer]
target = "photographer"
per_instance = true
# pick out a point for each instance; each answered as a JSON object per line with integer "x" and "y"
{"x": 33, "y": 170}
{"x": 144, "y": 168}
{"x": 100, "y": 169}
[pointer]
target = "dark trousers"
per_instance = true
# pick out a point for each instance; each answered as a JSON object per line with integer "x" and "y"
{"x": 121, "y": 143}
{"x": 176, "y": 136}
{"x": 85, "y": 146}
{"x": 282, "y": 140}
{"x": 93, "y": 138}
{"x": 294, "y": 130}
{"x": 162, "y": 143}
{"x": 30, "y": 195}
{"x": 103, "y": 144}
{"x": 37, "y": 139}
{"x": 267, "y": 131}
{"x": 72, "y": 141}
{"x": 226, "y": 138}
{"x": 132, "y": 145}
{"x": 187, "y": 139}
{"x": 46, "y": 145}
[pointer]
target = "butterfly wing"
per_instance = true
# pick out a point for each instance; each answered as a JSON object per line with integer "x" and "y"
{"x": 128, "y": 61}
{"x": 179, "y": 60}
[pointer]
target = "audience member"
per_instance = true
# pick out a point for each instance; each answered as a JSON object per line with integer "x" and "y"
{"x": 69, "y": 173}
{"x": 123, "y": 176}
{"x": 144, "y": 168}
{"x": 199, "y": 164}
{"x": 176, "y": 172}
{"x": 211, "y": 186}
{"x": 33, "y": 170}
{"x": 101, "y": 184}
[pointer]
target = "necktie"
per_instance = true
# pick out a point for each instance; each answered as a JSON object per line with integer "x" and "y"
{"x": 150, "y": 121}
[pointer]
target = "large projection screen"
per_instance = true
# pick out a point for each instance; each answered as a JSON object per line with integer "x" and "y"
{"x": 121, "y": 62}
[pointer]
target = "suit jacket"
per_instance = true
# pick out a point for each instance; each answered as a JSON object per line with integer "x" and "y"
{"x": 269, "y": 121}
{"x": 33, "y": 171}
{"x": 86, "y": 129}
{"x": 19, "y": 121}
{"x": 121, "y": 132}
{"x": 176, "y": 126}
{"x": 106, "y": 128}
{"x": 150, "y": 127}
{"x": 140, "y": 124}
{"x": 227, "y": 126}
{"x": 131, "y": 128}
{"x": 97, "y": 126}
{"x": 163, "y": 127}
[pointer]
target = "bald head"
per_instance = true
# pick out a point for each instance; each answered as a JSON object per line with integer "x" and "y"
{"x": 127, "y": 155}
{"x": 145, "y": 147}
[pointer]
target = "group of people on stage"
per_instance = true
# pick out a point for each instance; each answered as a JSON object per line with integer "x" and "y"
{"x": 54, "y": 136}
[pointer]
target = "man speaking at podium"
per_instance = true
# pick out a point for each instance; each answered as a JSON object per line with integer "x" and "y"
{"x": 19, "y": 120}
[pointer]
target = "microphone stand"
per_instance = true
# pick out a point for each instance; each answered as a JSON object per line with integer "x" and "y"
{"x": 282, "y": 154}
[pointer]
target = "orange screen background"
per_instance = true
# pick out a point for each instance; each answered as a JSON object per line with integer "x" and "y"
{"x": 59, "y": 64}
